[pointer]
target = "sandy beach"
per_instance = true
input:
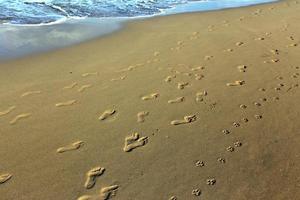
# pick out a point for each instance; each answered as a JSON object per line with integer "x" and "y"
{"x": 181, "y": 107}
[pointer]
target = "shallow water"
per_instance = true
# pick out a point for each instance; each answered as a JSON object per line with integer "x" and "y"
{"x": 32, "y": 26}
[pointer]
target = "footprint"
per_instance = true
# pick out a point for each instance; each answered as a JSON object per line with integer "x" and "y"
{"x": 169, "y": 78}
{"x": 242, "y": 68}
{"x": 199, "y": 76}
{"x": 86, "y": 197}
{"x": 230, "y": 149}
{"x": 30, "y": 93}
{"x": 239, "y": 43}
{"x": 211, "y": 181}
{"x": 89, "y": 74}
{"x": 141, "y": 116}
{"x": 274, "y": 51}
{"x": 70, "y": 86}
{"x": 5, "y": 177}
{"x": 186, "y": 120}
{"x": 236, "y": 83}
{"x": 200, "y": 163}
{"x": 133, "y": 141}
{"x": 225, "y": 131}
{"x": 150, "y": 96}
{"x": 71, "y": 147}
{"x": 182, "y": 85}
{"x": 92, "y": 175}
{"x": 107, "y": 192}
{"x": 156, "y": 53}
{"x": 106, "y": 114}
{"x": 176, "y": 100}
{"x": 200, "y": 95}
{"x": 118, "y": 79}
{"x": 66, "y": 103}
{"x": 19, "y": 117}
{"x": 196, "y": 192}
{"x": 238, "y": 144}
{"x": 7, "y": 111}
{"x": 221, "y": 160}
{"x": 84, "y": 87}
{"x": 130, "y": 68}
{"x": 197, "y": 68}
{"x": 208, "y": 57}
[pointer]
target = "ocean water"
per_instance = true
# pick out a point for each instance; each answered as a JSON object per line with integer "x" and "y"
{"x": 35, "y": 26}
{"x": 53, "y": 11}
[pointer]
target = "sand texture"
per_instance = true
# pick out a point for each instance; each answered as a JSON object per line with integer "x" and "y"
{"x": 182, "y": 107}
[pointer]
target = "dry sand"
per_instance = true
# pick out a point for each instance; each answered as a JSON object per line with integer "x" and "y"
{"x": 189, "y": 106}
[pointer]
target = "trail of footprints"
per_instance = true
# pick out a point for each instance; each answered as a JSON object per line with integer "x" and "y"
{"x": 135, "y": 141}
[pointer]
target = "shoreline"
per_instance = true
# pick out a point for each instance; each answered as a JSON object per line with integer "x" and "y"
{"x": 188, "y": 106}
{"x": 117, "y": 24}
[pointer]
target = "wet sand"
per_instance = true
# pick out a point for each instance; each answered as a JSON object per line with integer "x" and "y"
{"x": 189, "y": 106}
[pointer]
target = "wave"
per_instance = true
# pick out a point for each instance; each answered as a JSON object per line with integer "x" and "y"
{"x": 48, "y": 12}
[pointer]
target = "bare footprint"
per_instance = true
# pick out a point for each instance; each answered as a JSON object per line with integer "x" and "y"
{"x": 86, "y": 197}
{"x": 118, "y": 79}
{"x": 107, "y": 192}
{"x": 169, "y": 78}
{"x": 70, "y": 86}
{"x": 150, "y": 96}
{"x": 92, "y": 175}
{"x": 186, "y": 120}
{"x": 19, "y": 117}
{"x": 242, "y": 68}
{"x": 176, "y": 100}
{"x": 106, "y": 114}
{"x": 200, "y": 95}
{"x": 239, "y": 43}
{"x": 71, "y": 147}
{"x": 66, "y": 103}
{"x": 133, "y": 141}
{"x": 5, "y": 177}
{"x": 199, "y": 76}
{"x": 30, "y": 93}
{"x": 182, "y": 85}
{"x": 89, "y": 74}
{"x": 7, "y": 111}
{"x": 84, "y": 87}
{"x": 236, "y": 83}
{"x": 141, "y": 116}
{"x": 130, "y": 68}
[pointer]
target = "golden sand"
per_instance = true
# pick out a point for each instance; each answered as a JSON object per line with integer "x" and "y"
{"x": 171, "y": 87}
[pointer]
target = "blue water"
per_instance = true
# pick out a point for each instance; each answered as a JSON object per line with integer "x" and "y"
{"x": 51, "y": 11}
{"x": 35, "y": 26}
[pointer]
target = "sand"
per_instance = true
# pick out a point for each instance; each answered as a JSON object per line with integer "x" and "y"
{"x": 189, "y": 106}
